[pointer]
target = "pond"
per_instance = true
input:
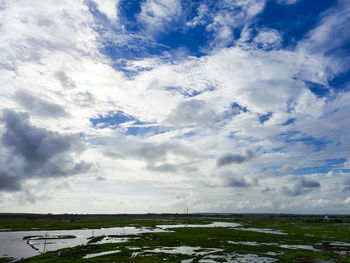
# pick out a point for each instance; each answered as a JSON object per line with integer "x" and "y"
{"x": 31, "y": 243}
{"x": 13, "y": 244}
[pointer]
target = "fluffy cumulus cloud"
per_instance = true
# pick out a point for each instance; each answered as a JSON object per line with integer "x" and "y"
{"x": 234, "y": 158}
{"x": 34, "y": 152}
{"x": 301, "y": 187}
{"x": 109, "y": 8}
{"x": 155, "y": 106}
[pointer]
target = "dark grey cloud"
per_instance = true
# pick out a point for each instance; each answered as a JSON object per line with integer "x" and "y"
{"x": 34, "y": 144}
{"x": 9, "y": 183}
{"x": 154, "y": 154}
{"x": 238, "y": 182}
{"x": 233, "y": 180}
{"x": 303, "y": 186}
{"x": 346, "y": 187}
{"x": 191, "y": 112}
{"x": 66, "y": 82}
{"x": 37, "y": 152}
{"x": 347, "y": 181}
{"x": 165, "y": 167}
{"x": 303, "y": 183}
{"x": 267, "y": 189}
{"x": 286, "y": 169}
{"x": 39, "y": 106}
{"x": 234, "y": 158}
{"x": 100, "y": 178}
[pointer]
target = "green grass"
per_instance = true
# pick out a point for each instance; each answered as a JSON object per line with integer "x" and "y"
{"x": 5, "y": 259}
{"x": 66, "y": 222}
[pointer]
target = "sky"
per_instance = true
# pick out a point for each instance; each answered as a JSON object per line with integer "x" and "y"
{"x": 156, "y": 106}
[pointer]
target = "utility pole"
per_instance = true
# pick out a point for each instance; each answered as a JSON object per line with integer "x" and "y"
{"x": 45, "y": 243}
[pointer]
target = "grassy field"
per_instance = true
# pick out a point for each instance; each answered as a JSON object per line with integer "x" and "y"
{"x": 23, "y": 222}
{"x": 305, "y": 238}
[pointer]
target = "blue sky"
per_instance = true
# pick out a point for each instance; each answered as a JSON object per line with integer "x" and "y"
{"x": 219, "y": 106}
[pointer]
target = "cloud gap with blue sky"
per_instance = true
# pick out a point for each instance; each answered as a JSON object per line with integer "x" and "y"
{"x": 114, "y": 106}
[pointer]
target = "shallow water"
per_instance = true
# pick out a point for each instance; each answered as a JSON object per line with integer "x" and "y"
{"x": 244, "y": 258}
{"x": 264, "y": 230}
{"x": 249, "y": 243}
{"x": 214, "y": 224}
{"x": 13, "y": 245}
{"x": 340, "y": 244}
{"x": 108, "y": 239}
{"x": 186, "y": 250}
{"x": 246, "y": 243}
{"x": 101, "y": 254}
{"x": 306, "y": 247}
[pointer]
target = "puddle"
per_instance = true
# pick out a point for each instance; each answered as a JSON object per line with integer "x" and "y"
{"x": 341, "y": 248}
{"x": 264, "y": 230}
{"x": 246, "y": 243}
{"x": 48, "y": 237}
{"x": 109, "y": 239}
{"x": 272, "y": 253}
{"x": 133, "y": 248}
{"x": 340, "y": 244}
{"x": 214, "y": 224}
{"x": 253, "y": 243}
{"x": 245, "y": 258}
{"x": 237, "y": 258}
{"x": 213, "y": 258}
{"x": 185, "y": 250}
{"x": 13, "y": 244}
{"x": 101, "y": 254}
{"x": 306, "y": 247}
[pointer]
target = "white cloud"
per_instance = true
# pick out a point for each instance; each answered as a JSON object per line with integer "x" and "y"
{"x": 156, "y": 14}
{"x": 330, "y": 35}
{"x": 228, "y": 18}
{"x": 109, "y": 8}
{"x": 50, "y": 54}
{"x": 49, "y": 26}
{"x": 268, "y": 38}
{"x": 347, "y": 201}
{"x": 288, "y": 2}
{"x": 200, "y": 19}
